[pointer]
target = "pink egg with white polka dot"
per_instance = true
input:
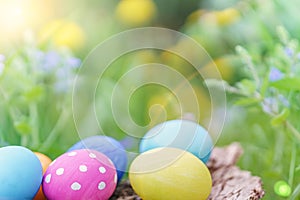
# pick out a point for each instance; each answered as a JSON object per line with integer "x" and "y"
{"x": 79, "y": 175}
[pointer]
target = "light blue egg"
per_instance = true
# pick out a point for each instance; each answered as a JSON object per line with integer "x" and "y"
{"x": 109, "y": 147}
{"x": 20, "y": 173}
{"x": 182, "y": 134}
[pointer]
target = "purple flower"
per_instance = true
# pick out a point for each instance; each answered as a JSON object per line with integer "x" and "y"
{"x": 58, "y": 65}
{"x": 269, "y": 105}
{"x": 285, "y": 102}
{"x": 2, "y": 58}
{"x": 275, "y": 74}
{"x": 62, "y": 79}
{"x": 62, "y": 86}
{"x": 51, "y": 60}
{"x": 62, "y": 73}
{"x": 289, "y": 52}
{"x": 73, "y": 62}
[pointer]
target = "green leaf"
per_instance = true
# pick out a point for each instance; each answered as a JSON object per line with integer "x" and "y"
{"x": 221, "y": 84}
{"x": 248, "y": 87}
{"x": 34, "y": 93}
{"x": 247, "y": 101}
{"x": 283, "y": 35}
{"x": 23, "y": 127}
{"x": 265, "y": 85}
{"x": 280, "y": 118}
{"x": 296, "y": 193}
{"x": 288, "y": 84}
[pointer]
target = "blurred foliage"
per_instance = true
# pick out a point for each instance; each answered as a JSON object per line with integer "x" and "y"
{"x": 35, "y": 87}
{"x": 272, "y": 85}
{"x": 62, "y": 33}
{"x": 135, "y": 12}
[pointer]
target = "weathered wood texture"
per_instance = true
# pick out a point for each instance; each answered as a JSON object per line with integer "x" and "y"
{"x": 229, "y": 182}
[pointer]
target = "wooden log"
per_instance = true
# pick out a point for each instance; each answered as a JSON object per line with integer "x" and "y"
{"x": 229, "y": 181}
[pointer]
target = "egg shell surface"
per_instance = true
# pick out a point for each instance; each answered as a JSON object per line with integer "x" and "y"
{"x": 169, "y": 174}
{"x": 109, "y": 147}
{"x": 182, "y": 134}
{"x": 20, "y": 173}
{"x": 79, "y": 175}
{"x": 45, "y": 162}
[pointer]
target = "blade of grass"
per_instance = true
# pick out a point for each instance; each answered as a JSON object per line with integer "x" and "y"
{"x": 296, "y": 193}
{"x": 292, "y": 165}
{"x": 55, "y": 131}
{"x": 34, "y": 124}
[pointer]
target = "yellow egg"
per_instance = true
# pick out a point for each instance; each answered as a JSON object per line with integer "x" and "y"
{"x": 135, "y": 12}
{"x": 45, "y": 161}
{"x": 168, "y": 174}
{"x": 63, "y": 33}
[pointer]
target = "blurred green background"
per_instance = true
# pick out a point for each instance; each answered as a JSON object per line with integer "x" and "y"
{"x": 43, "y": 42}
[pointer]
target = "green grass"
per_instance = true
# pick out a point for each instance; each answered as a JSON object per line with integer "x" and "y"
{"x": 269, "y": 152}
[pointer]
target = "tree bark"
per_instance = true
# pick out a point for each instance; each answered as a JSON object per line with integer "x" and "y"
{"x": 229, "y": 182}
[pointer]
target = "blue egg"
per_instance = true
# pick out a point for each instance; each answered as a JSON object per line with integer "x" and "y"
{"x": 20, "y": 173}
{"x": 109, "y": 147}
{"x": 182, "y": 134}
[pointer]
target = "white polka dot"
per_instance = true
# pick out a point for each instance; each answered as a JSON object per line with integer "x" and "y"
{"x": 115, "y": 178}
{"x": 92, "y": 155}
{"x": 75, "y": 186}
{"x": 102, "y": 170}
{"x": 60, "y": 171}
{"x": 48, "y": 178}
{"x": 83, "y": 168}
{"x": 73, "y": 153}
{"x": 101, "y": 185}
{"x": 52, "y": 163}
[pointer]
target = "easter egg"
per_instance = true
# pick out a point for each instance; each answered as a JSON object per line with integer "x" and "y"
{"x": 182, "y": 134}
{"x": 109, "y": 147}
{"x": 20, "y": 173}
{"x": 45, "y": 161}
{"x": 80, "y": 174}
{"x": 169, "y": 173}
